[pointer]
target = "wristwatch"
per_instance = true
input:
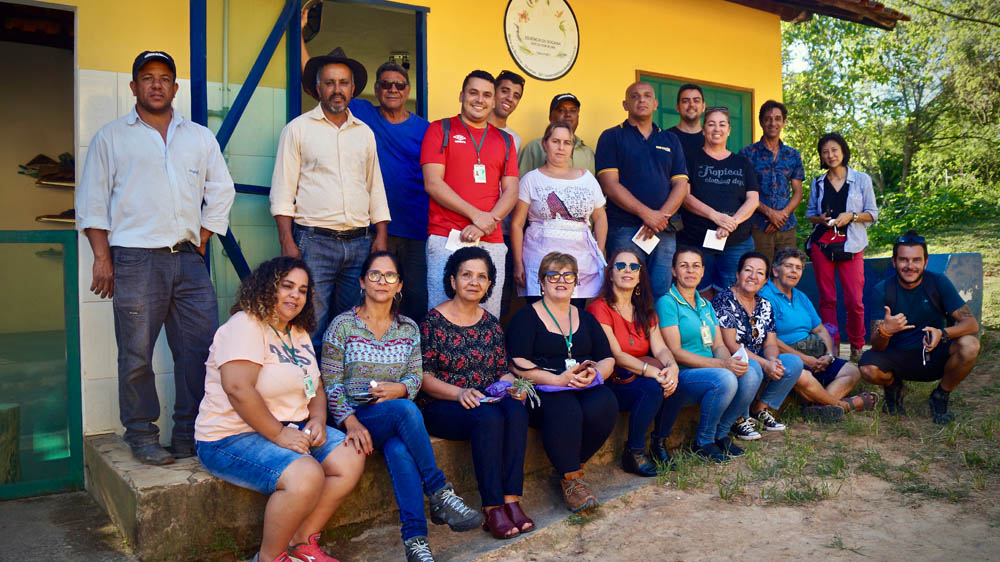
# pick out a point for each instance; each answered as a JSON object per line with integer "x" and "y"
{"x": 855, "y": 217}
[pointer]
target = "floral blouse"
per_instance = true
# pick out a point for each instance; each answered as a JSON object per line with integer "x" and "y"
{"x": 465, "y": 356}
{"x": 751, "y": 330}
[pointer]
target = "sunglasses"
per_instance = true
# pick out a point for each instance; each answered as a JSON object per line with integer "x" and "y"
{"x": 555, "y": 277}
{"x": 390, "y": 277}
{"x": 620, "y": 266}
{"x": 389, "y": 84}
{"x": 911, "y": 239}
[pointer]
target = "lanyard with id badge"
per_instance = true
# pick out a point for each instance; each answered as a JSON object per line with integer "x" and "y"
{"x": 570, "y": 362}
{"x": 307, "y": 382}
{"x": 478, "y": 169}
{"x": 707, "y": 335}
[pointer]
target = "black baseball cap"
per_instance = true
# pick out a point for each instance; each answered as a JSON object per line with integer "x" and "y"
{"x": 147, "y": 56}
{"x": 561, "y": 98}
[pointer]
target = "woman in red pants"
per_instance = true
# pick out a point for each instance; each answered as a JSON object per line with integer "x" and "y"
{"x": 842, "y": 207}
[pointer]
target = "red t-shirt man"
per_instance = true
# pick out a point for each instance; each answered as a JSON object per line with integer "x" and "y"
{"x": 459, "y": 160}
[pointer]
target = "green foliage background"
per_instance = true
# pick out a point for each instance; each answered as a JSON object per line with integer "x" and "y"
{"x": 919, "y": 106}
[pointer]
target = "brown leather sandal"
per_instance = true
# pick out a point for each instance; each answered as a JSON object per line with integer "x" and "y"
{"x": 518, "y": 518}
{"x": 496, "y": 522}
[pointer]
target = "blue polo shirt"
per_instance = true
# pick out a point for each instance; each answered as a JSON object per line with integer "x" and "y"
{"x": 794, "y": 318}
{"x": 645, "y": 166}
{"x": 398, "y": 147}
{"x": 674, "y": 310}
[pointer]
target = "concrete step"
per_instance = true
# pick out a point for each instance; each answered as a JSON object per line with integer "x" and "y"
{"x": 180, "y": 512}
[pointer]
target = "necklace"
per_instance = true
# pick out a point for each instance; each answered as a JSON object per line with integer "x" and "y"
{"x": 628, "y": 324}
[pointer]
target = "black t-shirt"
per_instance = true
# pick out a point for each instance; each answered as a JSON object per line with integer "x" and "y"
{"x": 918, "y": 310}
{"x": 689, "y": 141}
{"x": 723, "y": 186}
{"x": 527, "y": 337}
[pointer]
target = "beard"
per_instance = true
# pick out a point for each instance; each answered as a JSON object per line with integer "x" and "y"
{"x": 328, "y": 105}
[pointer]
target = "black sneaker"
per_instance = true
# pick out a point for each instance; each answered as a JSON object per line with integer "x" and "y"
{"x": 939, "y": 407}
{"x": 893, "y": 404}
{"x": 417, "y": 550}
{"x": 767, "y": 420}
{"x": 447, "y": 507}
{"x": 711, "y": 452}
{"x": 152, "y": 454}
{"x": 745, "y": 430}
{"x": 728, "y": 447}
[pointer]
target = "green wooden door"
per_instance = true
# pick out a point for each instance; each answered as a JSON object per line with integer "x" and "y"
{"x": 739, "y": 102}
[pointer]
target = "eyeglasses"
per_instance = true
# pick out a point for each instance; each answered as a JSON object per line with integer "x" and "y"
{"x": 389, "y": 84}
{"x": 390, "y": 277}
{"x": 620, "y": 266}
{"x": 911, "y": 239}
{"x": 565, "y": 277}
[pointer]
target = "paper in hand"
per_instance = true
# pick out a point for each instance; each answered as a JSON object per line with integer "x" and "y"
{"x": 455, "y": 241}
{"x": 647, "y": 245}
{"x": 741, "y": 354}
{"x": 713, "y": 242}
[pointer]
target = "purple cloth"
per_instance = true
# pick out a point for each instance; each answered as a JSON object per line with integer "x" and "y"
{"x": 553, "y": 388}
{"x": 498, "y": 389}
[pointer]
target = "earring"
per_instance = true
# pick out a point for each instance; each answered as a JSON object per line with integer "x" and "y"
{"x": 362, "y": 294}
{"x": 636, "y": 292}
{"x": 397, "y": 297}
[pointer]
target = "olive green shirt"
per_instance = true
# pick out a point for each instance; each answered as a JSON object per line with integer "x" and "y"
{"x": 532, "y": 156}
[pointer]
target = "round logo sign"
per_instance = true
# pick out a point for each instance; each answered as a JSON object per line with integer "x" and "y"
{"x": 542, "y": 37}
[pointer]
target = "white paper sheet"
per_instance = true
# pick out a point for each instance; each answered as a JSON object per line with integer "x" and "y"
{"x": 741, "y": 354}
{"x": 455, "y": 241}
{"x": 712, "y": 242}
{"x": 646, "y": 245}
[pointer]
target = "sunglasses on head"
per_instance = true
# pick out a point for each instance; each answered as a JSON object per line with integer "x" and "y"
{"x": 390, "y": 277}
{"x": 620, "y": 266}
{"x": 389, "y": 84}
{"x": 555, "y": 277}
{"x": 911, "y": 239}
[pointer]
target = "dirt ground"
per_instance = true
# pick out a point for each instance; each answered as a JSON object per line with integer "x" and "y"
{"x": 872, "y": 488}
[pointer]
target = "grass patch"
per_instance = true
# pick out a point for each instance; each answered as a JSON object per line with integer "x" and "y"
{"x": 873, "y": 463}
{"x": 793, "y": 491}
{"x": 838, "y": 544}
{"x": 685, "y": 471}
{"x": 581, "y": 519}
{"x": 733, "y": 488}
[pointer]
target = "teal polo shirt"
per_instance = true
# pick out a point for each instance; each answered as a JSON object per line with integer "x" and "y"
{"x": 794, "y": 318}
{"x": 674, "y": 310}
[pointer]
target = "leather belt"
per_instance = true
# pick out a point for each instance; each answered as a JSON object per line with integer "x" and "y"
{"x": 184, "y": 246}
{"x": 336, "y": 234}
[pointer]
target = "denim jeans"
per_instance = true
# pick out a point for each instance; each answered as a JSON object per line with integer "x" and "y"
{"x": 498, "y": 434}
{"x": 658, "y": 262}
{"x": 643, "y": 400}
{"x": 713, "y": 390}
{"x": 720, "y": 267}
{"x": 397, "y": 429}
{"x": 336, "y": 271}
{"x": 412, "y": 255}
{"x": 153, "y": 288}
{"x": 437, "y": 257}
{"x": 774, "y": 392}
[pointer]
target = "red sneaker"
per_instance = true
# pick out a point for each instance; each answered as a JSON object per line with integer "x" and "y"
{"x": 309, "y": 552}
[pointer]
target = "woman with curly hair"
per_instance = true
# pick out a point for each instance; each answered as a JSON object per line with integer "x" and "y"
{"x": 262, "y": 422}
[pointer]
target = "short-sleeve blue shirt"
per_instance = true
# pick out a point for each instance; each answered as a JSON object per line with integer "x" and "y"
{"x": 918, "y": 309}
{"x": 645, "y": 166}
{"x": 774, "y": 176}
{"x": 794, "y": 318}
{"x": 674, "y": 310}
{"x": 398, "y": 147}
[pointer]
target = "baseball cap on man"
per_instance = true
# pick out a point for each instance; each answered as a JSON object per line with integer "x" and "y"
{"x": 148, "y": 56}
{"x": 561, "y": 98}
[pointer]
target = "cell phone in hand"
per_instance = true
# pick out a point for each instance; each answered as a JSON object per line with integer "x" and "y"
{"x": 488, "y": 400}
{"x": 581, "y": 367}
{"x": 365, "y": 398}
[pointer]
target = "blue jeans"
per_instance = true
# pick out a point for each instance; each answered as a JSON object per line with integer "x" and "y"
{"x": 397, "y": 428}
{"x": 154, "y": 287}
{"x": 658, "y": 262}
{"x": 720, "y": 267}
{"x": 774, "y": 392}
{"x": 713, "y": 389}
{"x": 412, "y": 255}
{"x": 250, "y": 460}
{"x": 336, "y": 271}
{"x": 643, "y": 400}
{"x": 498, "y": 434}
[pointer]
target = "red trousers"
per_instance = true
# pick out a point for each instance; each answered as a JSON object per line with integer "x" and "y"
{"x": 852, "y": 281}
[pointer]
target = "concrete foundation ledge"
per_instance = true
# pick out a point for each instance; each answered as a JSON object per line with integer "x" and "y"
{"x": 181, "y": 512}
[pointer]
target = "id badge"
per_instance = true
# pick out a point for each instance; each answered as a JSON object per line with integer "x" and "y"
{"x": 309, "y": 384}
{"x": 479, "y": 173}
{"x": 706, "y": 335}
{"x": 570, "y": 363}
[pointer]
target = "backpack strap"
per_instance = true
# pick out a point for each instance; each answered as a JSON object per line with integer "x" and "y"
{"x": 891, "y": 294}
{"x": 931, "y": 291}
{"x": 445, "y": 133}
{"x": 445, "y": 136}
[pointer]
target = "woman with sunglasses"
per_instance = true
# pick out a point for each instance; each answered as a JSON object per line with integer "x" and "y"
{"x": 645, "y": 371}
{"x": 723, "y": 197}
{"x": 842, "y": 207}
{"x": 372, "y": 369}
{"x": 467, "y": 393}
{"x": 563, "y": 350}
{"x": 747, "y": 321}
{"x": 561, "y": 205}
{"x": 709, "y": 376}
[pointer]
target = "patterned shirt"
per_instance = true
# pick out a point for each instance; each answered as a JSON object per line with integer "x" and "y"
{"x": 353, "y": 357}
{"x": 465, "y": 356}
{"x": 774, "y": 175}
{"x": 751, "y": 330}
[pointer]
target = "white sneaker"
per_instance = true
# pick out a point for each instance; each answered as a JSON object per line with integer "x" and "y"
{"x": 745, "y": 430}
{"x": 767, "y": 420}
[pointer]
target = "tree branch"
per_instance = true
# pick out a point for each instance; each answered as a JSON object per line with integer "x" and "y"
{"x": 951, "y": 15}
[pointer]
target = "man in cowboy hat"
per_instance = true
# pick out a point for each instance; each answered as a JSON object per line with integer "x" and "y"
{"x": 327, "y": 191}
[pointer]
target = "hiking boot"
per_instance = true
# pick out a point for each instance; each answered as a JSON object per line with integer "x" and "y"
{"x": 309, "y": 551}
{"x": 728, "y": 447}
{"x": 767, "y": 420}
{"x": 893, "y": 403}
{"x": 417, "y": 550}
{"x": 447, "y": 507}
{"x": 711, "y": 452}
{"x": 824, "y": 413}
{"x": 744, "y": 429}
{"x": 637, "y": 462}
{"x": 152, "y": 454}
{"x": 575, "y": 492}
{"x": 182, "y": 450}
{"x": 939, "y": 407}
{"x": 658, "y": 452}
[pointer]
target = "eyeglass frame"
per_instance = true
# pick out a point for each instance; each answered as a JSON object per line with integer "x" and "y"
{"x": 620, "y": 266}
{"x": 556, "y": 277}
{"x": 376, "y": 276}
{"x": 388, "y": 84}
